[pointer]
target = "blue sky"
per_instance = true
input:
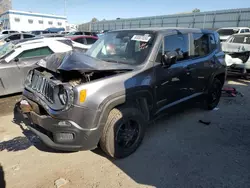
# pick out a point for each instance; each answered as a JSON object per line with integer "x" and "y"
{"x": 79, "y": 11}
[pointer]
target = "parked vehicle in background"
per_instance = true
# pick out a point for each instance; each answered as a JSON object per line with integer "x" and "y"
{"x": 83, "y": 39}
{"x": 64, "y": 32}
{"x": 54, "y": 30}
{"x": 49, "y": 35}
{"x": 237, "y": 50}
{"x": 107, "y": 96}
{"x": 15, "y": 36}
{"x": 81, "y": 33}
{"x": 39, "y": 32}
{"x": 226, "y": 32}
{"x": 7, "y": 32}
{"x": 18, "y": 57}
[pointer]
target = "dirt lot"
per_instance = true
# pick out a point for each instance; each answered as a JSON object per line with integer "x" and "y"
{"x": 177, "y": 151}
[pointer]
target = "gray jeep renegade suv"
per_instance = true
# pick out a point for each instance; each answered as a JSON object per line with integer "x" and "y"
{"x": 107, "y": 96}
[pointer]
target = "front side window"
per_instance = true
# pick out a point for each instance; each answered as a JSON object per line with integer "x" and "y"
{"x": 13, "y": 32}
{"x": 50, "y": 22}
{"x": 40, "y": 21}
{"x": 128, "y": 47}
{"x": 178, "y": 43}
{"x": 59, "y": 23}
{"x": 36, "y": 52}
{"x": 5, "y": 32}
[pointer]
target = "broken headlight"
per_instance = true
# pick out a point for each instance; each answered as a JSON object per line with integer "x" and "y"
{"x": 66, "y": 96}
{"x": 28, "y": 78}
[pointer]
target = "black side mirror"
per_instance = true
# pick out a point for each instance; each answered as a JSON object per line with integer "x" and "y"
{"x": 16, "y": 59}
{"x": 169, "y": 59}
{"x": 7, "y": 40}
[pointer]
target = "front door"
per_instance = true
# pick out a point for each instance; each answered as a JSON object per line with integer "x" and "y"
{"x": 173, "y": 84}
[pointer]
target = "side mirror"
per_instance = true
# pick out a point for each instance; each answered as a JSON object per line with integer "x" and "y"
{"x": 169, "y": 59}
{"x": 16, "y": 59}
{"x": 7, "y": 40}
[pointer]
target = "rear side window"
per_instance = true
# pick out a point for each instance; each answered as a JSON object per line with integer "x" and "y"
{"x": 246, "y": 30}
{"x": 36, "y": 52}
{"x": 79, "y": 40}
{"x": 178, "y": 43}
{"x": 91, "y": 40}
{"x": 200, "y": 45}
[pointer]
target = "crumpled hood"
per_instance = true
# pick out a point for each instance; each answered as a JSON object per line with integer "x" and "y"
{"x": 78, "y": 61}
{"x": 235, "y": 47}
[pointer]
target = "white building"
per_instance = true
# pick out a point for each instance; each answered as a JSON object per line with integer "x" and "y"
{"x": 28, "y": 21}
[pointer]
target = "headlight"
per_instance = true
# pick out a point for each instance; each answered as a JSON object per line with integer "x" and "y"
{"x": 28, "y": 78}
{"x": 66, "y": 96}
{"x": 62, "y": 94}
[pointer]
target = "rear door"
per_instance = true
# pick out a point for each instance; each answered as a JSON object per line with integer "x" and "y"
{"x": 202, "y": 60}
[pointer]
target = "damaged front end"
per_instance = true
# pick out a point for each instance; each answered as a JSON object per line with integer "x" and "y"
{"x": 237, "y": 57}
{"x": 49, "y": 99}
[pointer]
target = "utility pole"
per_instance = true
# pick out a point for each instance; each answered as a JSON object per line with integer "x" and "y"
{"x": 65, "y": 6}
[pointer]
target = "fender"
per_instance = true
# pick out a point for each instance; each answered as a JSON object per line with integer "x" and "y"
{"x": 121, "y": 98}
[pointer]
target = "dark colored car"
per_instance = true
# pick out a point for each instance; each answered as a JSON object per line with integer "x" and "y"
{"x": 81, "y": 33}
{"x": 83, "y": 39}
{"x": 107, "y": 96}
{"x": 39, "y": 32}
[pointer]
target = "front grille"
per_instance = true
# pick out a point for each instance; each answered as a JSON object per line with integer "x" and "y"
{"x": 43, "y": 86}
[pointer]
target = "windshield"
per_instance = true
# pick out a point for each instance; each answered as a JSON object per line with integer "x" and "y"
{"x": 226, "y": 32}
{"x": 129, "y": 47}
{"x": 6, "y": 48}
{"x": 240, "y": 39}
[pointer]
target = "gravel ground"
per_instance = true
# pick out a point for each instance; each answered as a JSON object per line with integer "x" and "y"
{"x": 177, "y": 151}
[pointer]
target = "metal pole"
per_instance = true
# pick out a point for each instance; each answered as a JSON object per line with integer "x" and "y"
{"x": 65, "y": 8}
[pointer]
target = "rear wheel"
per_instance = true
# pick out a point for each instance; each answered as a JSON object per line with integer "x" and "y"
{"x": 212, "y": 99}
{"x": 123, "y": 132}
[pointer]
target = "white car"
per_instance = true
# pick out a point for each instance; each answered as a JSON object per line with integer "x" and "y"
{"x": 237, "y": 53}
{"x": 17, "y": 58}
{"x": 7, "y": 32}
{"x": 226, "y": 32}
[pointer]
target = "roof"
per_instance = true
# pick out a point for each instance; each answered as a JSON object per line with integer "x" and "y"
{"x": 234, "y": 28}
{"x": 165, "y": 29}
{"x": 73, "y": 37}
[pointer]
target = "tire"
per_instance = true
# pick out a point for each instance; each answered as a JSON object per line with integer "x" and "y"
{"x": 112, "y": 139}
{"x": 212, "y": 98}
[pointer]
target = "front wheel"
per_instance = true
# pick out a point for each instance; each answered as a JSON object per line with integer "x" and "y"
{"x": 123, "y": 132}
{"x": 212, "y": 98}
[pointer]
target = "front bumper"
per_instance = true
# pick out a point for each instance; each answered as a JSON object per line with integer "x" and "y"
{"x": 61, "y": 133}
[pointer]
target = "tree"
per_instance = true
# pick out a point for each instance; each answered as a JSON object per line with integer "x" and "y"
{"x": 94, "y": 20}
{"x": 196, "y": 10}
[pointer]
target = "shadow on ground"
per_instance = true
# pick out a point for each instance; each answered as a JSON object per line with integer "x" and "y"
{"x": 24, "y": 142}
{"x": 2, "y": 179}
{"x": 178, "y": 151}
